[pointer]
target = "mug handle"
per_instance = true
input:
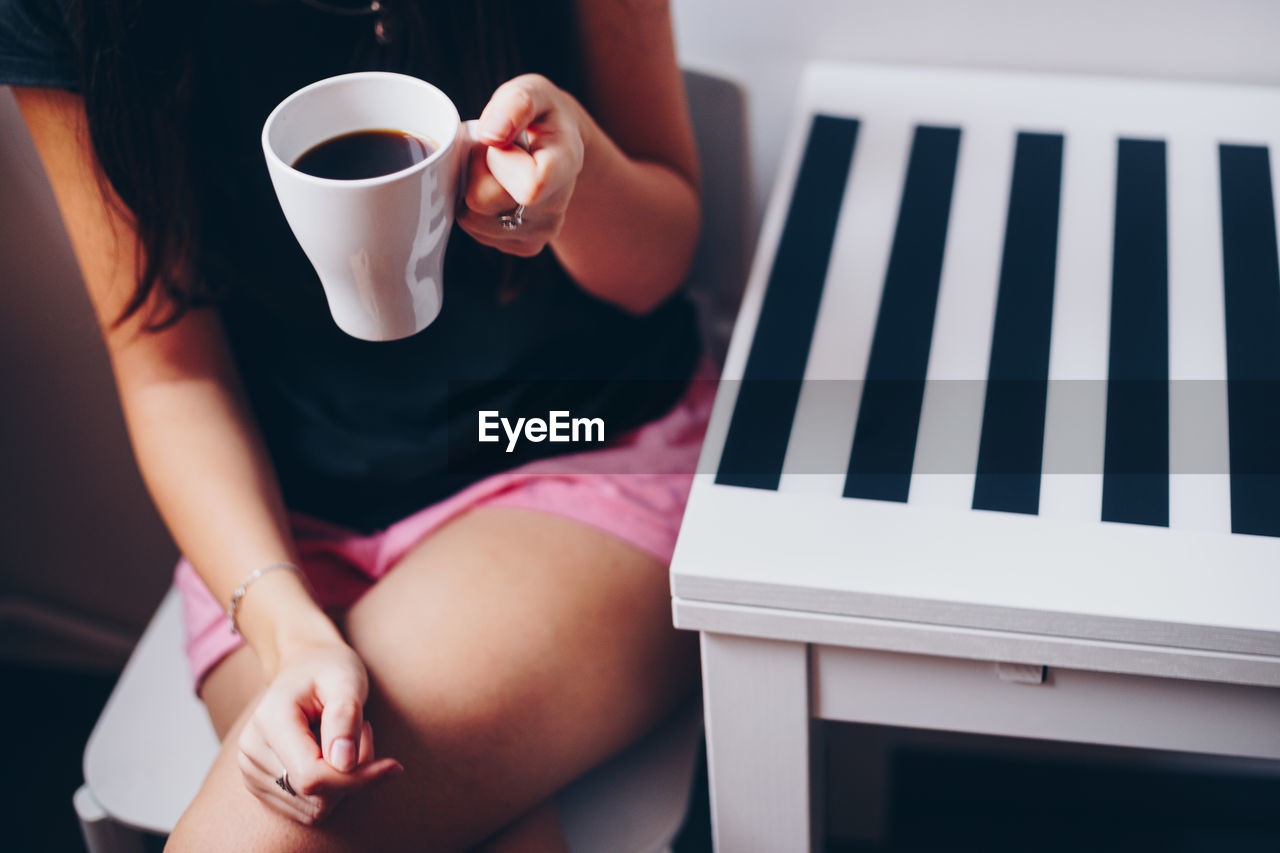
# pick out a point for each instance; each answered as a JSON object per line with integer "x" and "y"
{"x": 468, "y": 139}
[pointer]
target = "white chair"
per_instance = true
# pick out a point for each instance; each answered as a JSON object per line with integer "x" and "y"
{"x": 719, "y": 274}
{"x": 153, "y": 743}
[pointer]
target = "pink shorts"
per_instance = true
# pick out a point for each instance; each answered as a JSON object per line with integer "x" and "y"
{"x": 635, "y": 488}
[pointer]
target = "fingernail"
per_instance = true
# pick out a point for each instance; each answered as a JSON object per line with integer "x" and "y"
{"x": 497, "y": 128}
{"x": 343, "y": 753}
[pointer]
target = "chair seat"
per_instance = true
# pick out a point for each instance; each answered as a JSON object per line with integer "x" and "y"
{"x": 153, "y": 745}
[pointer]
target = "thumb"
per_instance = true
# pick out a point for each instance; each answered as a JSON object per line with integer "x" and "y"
{"x": 341, "y": 723}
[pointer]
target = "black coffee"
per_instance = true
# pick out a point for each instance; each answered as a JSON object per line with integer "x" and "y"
{"x": 364, "y": 154}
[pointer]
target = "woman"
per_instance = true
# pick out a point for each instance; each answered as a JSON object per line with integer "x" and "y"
{"x": 518, "y": 631}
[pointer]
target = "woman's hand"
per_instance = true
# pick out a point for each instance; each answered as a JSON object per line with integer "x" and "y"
{"x": 325, "y": 683}
{"x": 502, "y": 174}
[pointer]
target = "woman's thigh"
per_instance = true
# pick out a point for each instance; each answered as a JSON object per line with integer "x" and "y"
{"x": 507, "y": 654}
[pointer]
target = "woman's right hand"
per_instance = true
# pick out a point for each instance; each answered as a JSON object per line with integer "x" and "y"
{"x": 324, "y": 682}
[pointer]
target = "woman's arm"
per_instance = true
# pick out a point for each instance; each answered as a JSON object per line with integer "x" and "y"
{"x": 633, "y": 224}
{"x": 193, "y": 435}
{"x": 614, "y": 194}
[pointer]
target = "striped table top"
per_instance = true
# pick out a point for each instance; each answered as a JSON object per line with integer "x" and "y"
{"x": 1009, "y": 357}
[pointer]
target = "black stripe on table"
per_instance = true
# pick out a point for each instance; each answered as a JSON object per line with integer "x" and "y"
{"x": 1011, "y": 448}
{"x": 1135, "y": 482}
{"x": 1251, "y": 277}
{"x": 884, "y": 442}
{"x": 766, "y": 404}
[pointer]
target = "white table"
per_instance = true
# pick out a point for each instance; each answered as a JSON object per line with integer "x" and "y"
{"x": 1095, "y": 564}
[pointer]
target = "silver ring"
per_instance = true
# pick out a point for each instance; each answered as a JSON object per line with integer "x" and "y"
{"x": 283, "y": 781}
{"x": 513, "y": 220}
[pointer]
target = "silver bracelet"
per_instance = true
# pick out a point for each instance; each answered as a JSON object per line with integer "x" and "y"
{"x": 244, "y": 585}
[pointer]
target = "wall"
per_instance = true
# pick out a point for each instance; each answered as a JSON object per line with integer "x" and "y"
{"x": 764, "y": 43}
{"x": 85, "y": 557}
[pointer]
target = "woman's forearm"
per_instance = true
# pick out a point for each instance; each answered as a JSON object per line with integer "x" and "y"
{"x": 631, "y": 229}
{"x": 193, "y": 436}
{"x": 212, "y": 482}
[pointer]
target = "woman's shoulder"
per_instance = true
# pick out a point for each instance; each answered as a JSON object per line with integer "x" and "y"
{"x": 36, "y": 46}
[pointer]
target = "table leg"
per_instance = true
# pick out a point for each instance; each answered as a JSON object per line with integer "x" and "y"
{"x": 761, "y": 758}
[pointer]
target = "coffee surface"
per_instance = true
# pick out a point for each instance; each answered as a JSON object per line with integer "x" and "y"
{"x": 364, "y": 154}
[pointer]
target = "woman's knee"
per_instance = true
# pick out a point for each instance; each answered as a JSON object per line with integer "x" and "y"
{"x": 219, "y": 825}
{"x": 226, "y": 815}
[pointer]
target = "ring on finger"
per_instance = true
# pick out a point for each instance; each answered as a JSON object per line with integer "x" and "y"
{"x": 301, "y": 808}
{"x": 512, "y": 219}
{"x": 283, "y": 781}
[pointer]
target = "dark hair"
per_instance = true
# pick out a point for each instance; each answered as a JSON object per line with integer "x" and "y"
{"x": 141, "y": 76}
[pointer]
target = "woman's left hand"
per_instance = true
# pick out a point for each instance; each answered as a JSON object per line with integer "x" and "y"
{"x": 502, "y": 174}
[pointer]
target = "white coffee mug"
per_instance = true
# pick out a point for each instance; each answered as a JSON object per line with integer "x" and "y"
{"x": 377, "y": 244}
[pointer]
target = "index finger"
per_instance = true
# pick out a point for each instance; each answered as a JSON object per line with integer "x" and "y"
{"x": 515, "y": 105}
